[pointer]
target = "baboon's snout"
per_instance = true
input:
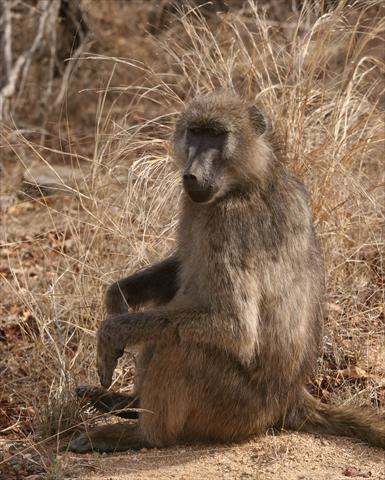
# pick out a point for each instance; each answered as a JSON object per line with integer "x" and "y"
{"x": 199, "y": 176}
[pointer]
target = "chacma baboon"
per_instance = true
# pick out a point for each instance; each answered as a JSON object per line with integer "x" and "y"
{"x": 236, "y": 319}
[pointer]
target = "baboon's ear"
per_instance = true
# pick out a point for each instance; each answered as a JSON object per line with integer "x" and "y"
{"x": 258, "y": 120}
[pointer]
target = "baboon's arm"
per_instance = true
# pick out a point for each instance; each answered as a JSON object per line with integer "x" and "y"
{"x": 128, "y": 329}
{"x": 157, "y": 283}
{"x": 119, "y": 331}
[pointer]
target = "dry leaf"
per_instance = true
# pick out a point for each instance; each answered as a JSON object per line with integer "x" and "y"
{"x": 353, "y": 372}
{"x": 20, "y": 208}
{"x": 355, "y": 472}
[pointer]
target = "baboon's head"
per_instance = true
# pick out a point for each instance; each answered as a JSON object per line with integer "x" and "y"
{"x": 219, "y": 144}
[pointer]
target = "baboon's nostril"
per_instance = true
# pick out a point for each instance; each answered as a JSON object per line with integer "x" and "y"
{"x": 189, "y": 178}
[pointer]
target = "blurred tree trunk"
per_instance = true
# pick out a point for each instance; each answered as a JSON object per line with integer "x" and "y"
{"x": 60, "y": 33}
{"x": 5, "y": 48}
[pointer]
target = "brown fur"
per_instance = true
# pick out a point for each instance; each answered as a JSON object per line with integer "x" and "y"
{"x": 239, "y": 319}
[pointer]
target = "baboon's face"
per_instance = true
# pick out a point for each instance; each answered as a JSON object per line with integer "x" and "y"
{"x": 216, "y": 144}
{"x": 204, "y": 166}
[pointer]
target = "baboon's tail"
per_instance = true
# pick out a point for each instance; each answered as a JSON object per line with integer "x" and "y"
{"x": 316, "y": 417}
{"x": 105, "y": 401}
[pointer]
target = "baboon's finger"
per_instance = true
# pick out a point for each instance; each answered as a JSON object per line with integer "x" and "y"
{"x": 105, "y": 376}
{"x": 106, "y": 366}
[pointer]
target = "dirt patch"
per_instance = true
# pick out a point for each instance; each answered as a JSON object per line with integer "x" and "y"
{"x": 290, "y": 456}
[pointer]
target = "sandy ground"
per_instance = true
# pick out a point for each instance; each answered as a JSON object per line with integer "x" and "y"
{"x": 289, "y": 456}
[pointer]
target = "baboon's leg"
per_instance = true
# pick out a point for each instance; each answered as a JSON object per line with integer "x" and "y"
{"x": 109, "y": 402}
{"x": 157, "y": 283}
{"x": 164, "y": 400}
{"x": 110, "y": 438}
{"x": 187, "y": 395}
{"x": 196, "y": 394}
{"x": 142, "y": 361}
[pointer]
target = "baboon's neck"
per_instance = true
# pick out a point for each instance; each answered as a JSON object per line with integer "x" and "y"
{"x": 248, "y": 216}
{"x": 247, "y": 194}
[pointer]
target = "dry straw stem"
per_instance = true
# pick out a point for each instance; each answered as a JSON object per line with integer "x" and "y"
{"x": 319, "y": 76}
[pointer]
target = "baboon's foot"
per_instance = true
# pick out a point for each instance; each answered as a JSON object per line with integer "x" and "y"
{"x": 109, "y": 402}
{"x": 109, "y": 438}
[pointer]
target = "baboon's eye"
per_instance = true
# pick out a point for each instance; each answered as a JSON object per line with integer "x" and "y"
{"x": 210, "y": 131}
{"x": 195, "y": 130}
{"x": 216, "y": 132}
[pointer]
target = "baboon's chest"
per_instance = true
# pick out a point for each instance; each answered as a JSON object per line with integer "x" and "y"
{"x": 215, "y": 266}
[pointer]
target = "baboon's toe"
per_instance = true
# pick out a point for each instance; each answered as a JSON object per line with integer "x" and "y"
{"x": 89, "y": 392}
{"x": 104, "y": 401}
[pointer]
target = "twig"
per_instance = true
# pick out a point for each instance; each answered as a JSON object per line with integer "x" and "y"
{"x": 67, "y": 73}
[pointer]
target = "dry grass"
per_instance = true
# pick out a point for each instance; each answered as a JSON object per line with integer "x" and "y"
{"x": 319, "y": 76}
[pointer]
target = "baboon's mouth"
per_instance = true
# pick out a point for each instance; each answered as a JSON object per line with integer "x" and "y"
{"x": 200, "y": 194}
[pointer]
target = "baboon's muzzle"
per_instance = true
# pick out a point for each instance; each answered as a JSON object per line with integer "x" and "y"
{"x": 199, "y": 190}
{"x": 199, "y": 175}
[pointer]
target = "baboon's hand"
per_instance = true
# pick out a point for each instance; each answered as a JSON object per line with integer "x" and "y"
{"x": 108, "y": 352}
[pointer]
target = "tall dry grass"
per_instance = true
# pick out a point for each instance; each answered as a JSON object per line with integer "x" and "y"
{"x": 318, "y": 74}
